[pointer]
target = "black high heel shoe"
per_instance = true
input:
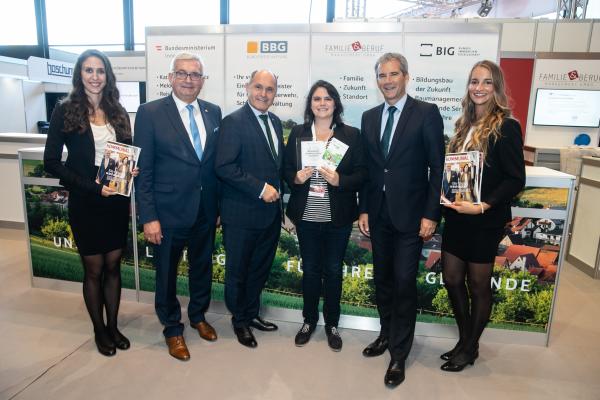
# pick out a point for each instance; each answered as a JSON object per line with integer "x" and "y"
{"x": 460, "y": 361}
{"x": 449, "y": 354}
{"x": 120, "y": 341}
{"x": 104, "y": 344}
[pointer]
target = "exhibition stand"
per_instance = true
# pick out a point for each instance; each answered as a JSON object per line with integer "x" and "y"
{"x": 526, "y": 270}
{"x": 584, "y": 246}
{"x": 11, "y": 210}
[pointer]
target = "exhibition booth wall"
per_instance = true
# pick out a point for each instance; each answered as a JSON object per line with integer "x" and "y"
{"x": 525, "y": 278}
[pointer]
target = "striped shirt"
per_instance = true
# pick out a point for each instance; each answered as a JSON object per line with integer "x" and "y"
{"x": 317, "y": 208}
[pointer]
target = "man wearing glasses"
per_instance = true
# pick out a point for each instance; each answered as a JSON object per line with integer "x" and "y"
{"x": 176, "y": 192}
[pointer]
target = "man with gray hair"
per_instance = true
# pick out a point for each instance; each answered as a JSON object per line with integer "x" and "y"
{"x": 399, "y": 205}
{"x": 176, "y": 192}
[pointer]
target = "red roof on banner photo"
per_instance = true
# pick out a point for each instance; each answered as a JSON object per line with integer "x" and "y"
{"x": 516, "y": 250}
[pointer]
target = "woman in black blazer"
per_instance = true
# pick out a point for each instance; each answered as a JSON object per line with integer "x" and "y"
{"x": 83, "y": 122}
{"x": 472, "y": 232}
{"x": 323, "y": 206}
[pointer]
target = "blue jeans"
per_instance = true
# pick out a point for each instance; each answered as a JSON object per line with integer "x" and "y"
{"x": 322, "y": 248}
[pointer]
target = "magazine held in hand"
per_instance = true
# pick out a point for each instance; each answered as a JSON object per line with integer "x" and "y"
{"x": 461, "y": 180}
{"x": 115, "y": 170}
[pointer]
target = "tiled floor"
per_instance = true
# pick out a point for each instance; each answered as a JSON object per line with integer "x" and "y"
{"x": 47, "y": 352}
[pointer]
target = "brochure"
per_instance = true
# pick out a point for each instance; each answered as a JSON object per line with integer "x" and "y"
{"x": 334, "y": 153}
{"x": 461, "y": 180}
{"x": 115, "y": 170}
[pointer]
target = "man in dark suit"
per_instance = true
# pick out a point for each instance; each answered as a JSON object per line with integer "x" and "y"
{"x": 177, "y": 195}
{"x": 449, "y": 183}
{"x": 399, "y": 206}
{"x": 249, "y": 160}
{"x": 107, "y": 164}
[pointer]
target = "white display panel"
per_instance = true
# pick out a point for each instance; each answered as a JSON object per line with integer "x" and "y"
{"x": 160, "y": 50}
{"x": 347, "y": 61}
{"x": 129, "y": 95}
{"x": 439, "y": 65}
{"x": 567, "y": 107}
{"x": 286, "y": 54}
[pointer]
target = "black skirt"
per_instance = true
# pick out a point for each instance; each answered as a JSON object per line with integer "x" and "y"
{"x": 99, "y": 224}
{"x": 471, "y": 243}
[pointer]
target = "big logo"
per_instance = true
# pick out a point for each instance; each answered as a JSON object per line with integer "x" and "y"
{"x": 429, "y": 50}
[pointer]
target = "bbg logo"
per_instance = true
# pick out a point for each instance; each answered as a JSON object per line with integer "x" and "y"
{"x": 429, "y": 50}
{"x": 267, "y": 46}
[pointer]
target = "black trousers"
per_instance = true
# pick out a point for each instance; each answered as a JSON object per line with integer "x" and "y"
{"x": 396, "y": 260}
{"x": 199, "y": 239}
{"x": 249, "y": 256}
{"x": 322, "y": 247}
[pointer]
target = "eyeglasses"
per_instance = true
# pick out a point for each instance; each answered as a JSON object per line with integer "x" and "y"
{"x": 182, "y": 75}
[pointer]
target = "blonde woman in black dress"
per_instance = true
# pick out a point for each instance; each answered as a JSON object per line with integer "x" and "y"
{"x": 89, "y": 117}
{"x": 472, "y": 232}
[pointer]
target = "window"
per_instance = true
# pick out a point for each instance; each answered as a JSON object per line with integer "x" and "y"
{"x": 85, "y": 23}
{"x": 17, "y": 25}
{"x": 171, "y": 13}
{"x": 277, "y": 11}
{"x": 372, "y": 9}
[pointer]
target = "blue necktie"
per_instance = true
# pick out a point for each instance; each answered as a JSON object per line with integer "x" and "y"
{"x": 387, "y": 132}
{"x": 195, "y": 132}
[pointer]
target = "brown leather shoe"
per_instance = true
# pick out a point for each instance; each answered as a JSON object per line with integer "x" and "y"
{"x": 206, "y": 331}
{"x": 177, "y": 348}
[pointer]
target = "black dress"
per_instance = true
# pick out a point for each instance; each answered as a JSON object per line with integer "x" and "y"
{"x": 475, "y": 238}
{"x": 99, "y": 224}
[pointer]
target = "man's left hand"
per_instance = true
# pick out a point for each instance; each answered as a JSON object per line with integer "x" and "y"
{"x": 427, "y": 228}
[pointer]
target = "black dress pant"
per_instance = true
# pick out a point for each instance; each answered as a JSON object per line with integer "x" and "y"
{"x": 199, "y": 240}
{"x": 249, "y": 256}
{"x": 396, "y": 260}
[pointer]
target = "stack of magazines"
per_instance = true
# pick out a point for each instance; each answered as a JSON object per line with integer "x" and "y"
{"x": 461, "y": 180}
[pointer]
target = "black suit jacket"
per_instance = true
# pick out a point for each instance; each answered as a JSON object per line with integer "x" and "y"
{"x": 352, "y": 171}
{"x": 78, "y": 174}
{"x": 173, "y": 183}
{"x": 244, "y": 164}
{"x": 502, "y": 179}
{"x": 412, "y": 171}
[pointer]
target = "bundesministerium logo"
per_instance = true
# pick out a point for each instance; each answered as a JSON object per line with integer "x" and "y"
{"x": 267, "y": 46}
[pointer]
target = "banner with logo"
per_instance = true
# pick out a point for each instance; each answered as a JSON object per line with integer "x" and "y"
{"x": 561, "y": 74}
{"x": 52, "y": 247}
{"x": 347, "y": 61}
{"x": 286, "y": 54}
{"x": 160, "y": 50}
{"x": 53, "y": 71}
{"x": 439, "y": 64}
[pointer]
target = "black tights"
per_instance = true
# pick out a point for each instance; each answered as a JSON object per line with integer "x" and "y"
{"x": 102, "y": 289}
{"x": 470, "y": 320}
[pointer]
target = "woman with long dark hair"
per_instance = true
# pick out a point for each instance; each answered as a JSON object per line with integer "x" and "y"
{"x": 472, "y": 232}
{"x": 323, "y": 207}
{"x": 90, "y": 116}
